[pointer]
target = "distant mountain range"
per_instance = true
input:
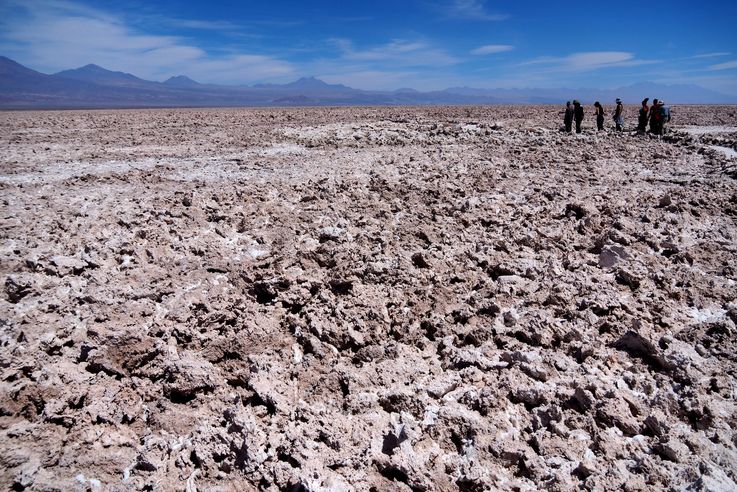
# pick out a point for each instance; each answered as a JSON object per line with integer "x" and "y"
{"x": 92, "y": 86}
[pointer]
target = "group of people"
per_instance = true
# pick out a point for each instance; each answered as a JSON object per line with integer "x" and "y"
{"x": 657, "y": 116}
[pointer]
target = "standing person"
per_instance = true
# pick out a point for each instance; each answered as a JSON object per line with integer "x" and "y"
{"x": 619, "y": 116}
{"x": 578, "y": 115}
{"x": 642, "y": 119}
{"x": 655, "y": 118}
{"x": 568, "y": 118}
{"x": 599, "y": 112}
{"x": 664, "y": 116}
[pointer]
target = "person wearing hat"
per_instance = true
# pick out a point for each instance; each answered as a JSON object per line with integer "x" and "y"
{"x": 578, "y": 115}
{"x": 619, "y": 116}
{"x": 599, "y": 112}
{"x": 642, "y": 119}
{"x": 568, "y": 118}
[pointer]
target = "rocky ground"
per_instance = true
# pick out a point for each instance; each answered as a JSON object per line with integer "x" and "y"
{"x": 369, "y": 299}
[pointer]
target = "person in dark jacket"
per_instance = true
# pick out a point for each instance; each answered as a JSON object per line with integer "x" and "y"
{"x": 568, "y": 118}
{"x": 578, "y": 115}
{"x": 642, "y": 118}
{"x": 599, "y": 112}
{"x": 654, "y": 118}
{"x": 659, "y": 117}
{"x": 619, "y": 115}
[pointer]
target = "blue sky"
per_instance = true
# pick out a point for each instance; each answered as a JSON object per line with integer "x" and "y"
{"x": 380, "y": 44}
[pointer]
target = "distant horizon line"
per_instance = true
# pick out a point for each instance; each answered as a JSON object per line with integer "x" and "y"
{"x": 315, "y": 106}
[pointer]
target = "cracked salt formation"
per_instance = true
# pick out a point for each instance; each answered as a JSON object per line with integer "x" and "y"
{"x": 365, "y": 299}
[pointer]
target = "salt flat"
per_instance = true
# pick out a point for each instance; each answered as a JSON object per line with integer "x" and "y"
{"x": 440, "y": 298}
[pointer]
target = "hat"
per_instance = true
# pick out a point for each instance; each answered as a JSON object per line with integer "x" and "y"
{"x": 575, "y": 101}
{"x": 619, "y": 100}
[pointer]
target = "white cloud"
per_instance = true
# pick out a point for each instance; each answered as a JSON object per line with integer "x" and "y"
{"x": 37, "y": 7}
{"x": 588, "y": 61}
{"x": 598, "y": 59}
{"x": 397, "y": 63}
{"x": 388, "y": 80}
{"x": 398, "y": 52}
{"x": 491, "y": 49}
{"x": 711, "y": 55}
{"x": 473, "y": 9}
{"x": 199, "y": 24}
{"x": 724, "y": 66}
{"x": 370, "y": 79}
{"x": 54, "y": 35}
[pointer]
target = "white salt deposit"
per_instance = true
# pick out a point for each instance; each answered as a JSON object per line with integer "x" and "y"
{"x": 704, "y": 130}
{"x": 729, "y": 152}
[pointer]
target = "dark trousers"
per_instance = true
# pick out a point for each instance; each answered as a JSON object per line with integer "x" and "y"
{"x": 578, "y": 126}
{"x": 600, "y": 122}
{"x": 642, "y": 125}
{"x": 568, "y": 126}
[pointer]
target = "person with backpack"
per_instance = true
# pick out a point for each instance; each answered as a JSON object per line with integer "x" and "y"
{"x": 578, "y": 115}
{"x": 619, "y": 115}
{"x": 568, "y": 118}
{"x": 643, "y": 116}
{"x": 599, "y": 112}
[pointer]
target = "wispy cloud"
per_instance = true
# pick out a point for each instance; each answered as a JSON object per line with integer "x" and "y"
{"x": 38, "y": 7}
{"x": 491, "y": 49}
{"x": 52, "y": 35}
{"x": 710, "y": 55}
{"x": 588, "y": 61}
{"x": 724, "y": 66}
{"x": 473, "y": 10}
{"x": 369, "y": 79}
{"x": 417, "y": 63}
{"x": 398, "y": 51}
{"x": 205, "y": 25}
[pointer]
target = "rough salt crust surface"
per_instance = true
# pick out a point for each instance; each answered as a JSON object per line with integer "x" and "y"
{"x": 444, "y": 298}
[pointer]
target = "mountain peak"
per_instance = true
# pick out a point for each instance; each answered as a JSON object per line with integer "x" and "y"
{"x": 309, "y": 84}
{"x": 309, "y": 81}
{"x": 313, "y": 83}
{"x": 96, "y": 73}
{"x": 181, "y": 81}
{"x": 11, "y": 68}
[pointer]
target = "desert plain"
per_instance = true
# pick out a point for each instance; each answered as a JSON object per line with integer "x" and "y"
{"x": 366, "y": 299}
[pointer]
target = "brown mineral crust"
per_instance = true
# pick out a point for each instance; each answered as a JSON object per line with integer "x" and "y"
{"x": 439, "y": 298}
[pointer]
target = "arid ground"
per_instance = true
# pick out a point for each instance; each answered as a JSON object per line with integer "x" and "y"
{"x": 385, "y": 299}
